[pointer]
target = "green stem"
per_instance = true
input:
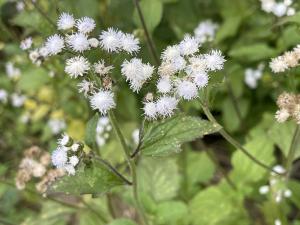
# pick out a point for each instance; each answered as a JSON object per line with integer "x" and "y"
{"x": 292, "y": 151}
{"x": 130, "y": 163}
{"x": 148, "y": 36}
{"x": 232, "y": 141}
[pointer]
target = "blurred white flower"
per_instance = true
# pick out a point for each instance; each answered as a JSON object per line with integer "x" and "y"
{"x": 205, "y": 31}
{"x": 18, "y": 100}
{"x": 65, "y": 21}
{"x": 73, "y": 160}
{"x": 26, "y": 43}
{"x": 11, "y": 71}
{"x": 3, "y": 96}
{"x": 93, "y": 42}
{"x": 56, "y": 125}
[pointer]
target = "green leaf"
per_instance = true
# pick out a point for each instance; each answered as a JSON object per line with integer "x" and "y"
{"x": 159, "y": 178}
{"x": 122, "y": 222}
{"x": 253, "y": 52}
{"x": 90, "y": 132}
{"x": 95, "y": 178}
{"x": 172, "y": 212}
{"x": 32, "y": 79}
{"x": 165, "y": 137}
{"x": 217, "y": 206}
{"x": 229, "y": 28}
{"x": 152, "y": 11}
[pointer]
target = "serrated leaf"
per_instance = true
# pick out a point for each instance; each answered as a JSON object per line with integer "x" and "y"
{"x": 165, "y": 137}
{"x": 122, "y": 222}
{"x": 171, "y": 212}
{"x": 90, "y": 132}
{"x": 159, "y": 178}
{"x": 95, "y": 178}
{"x": 152, "y": 11}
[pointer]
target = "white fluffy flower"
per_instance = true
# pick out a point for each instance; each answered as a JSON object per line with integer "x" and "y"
{"x": 187, "y": 89}
{"x": 12, "y": 71}
{"x": 75, "y": 147}
{"x": 282, "y": 115}
{"x": 77, "y": 66}
{"x": 54, "y": 44}
{"x": 26, "y": 43}
{"x": 278, "y": 65}
{"x": 43, "y": 51}
{"x": 150, "y": 110}
{"x": 279, "y": 169}
{"x": 64, "y": 140}
{"x": 252, "y": 76}
{"x": 65, "y": 21}
{"x": 189, "y": 45}
{"x": 59, "y": 157}
{"x": 166, "y": 105}
{"x": 101, "y": 69}
{"x": 197, "y": 64}
{"x": 264, "y": 189}
{"x": 85, "y": 87}
{"x": 277, "y": 222}
{"x": 85, "y": 25}
{"x": 70, "y": 169}
{"x": 214, "y": 60}
{"x": 93, "y": 42}
{"x": 164, "y": 85}
{"x": 78, "y": 42}
{"x": 110, "y": 40}
{"x": 170, "y": 53}
{"x": 206, "y": 31}
{"x": 129, "y": 43}
{"x": 200, "y": 79}
{"x": 3, "y": 96}
{"x": 103, "y": 101}
{"x": 179, "y": 63}
{"x": 136, "y": 73}
{"x": 73, "y": 160}
{"x": 17, "y": 100}
{"x": 279, "y": 9}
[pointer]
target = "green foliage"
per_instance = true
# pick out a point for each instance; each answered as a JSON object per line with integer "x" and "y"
{"x": 90, "y": 132}
{"x": 122, "y": 222}
{"x": 166, "y": 137}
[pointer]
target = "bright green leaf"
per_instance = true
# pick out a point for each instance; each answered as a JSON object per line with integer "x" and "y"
{"x": 172, "y": 212}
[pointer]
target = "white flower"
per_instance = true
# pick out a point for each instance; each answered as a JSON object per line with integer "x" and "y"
{"x": 20, "y": 6}
{"x": 166, "y": 105}
{"x": 279, "y": 169}
{"x": 64, "y": 140}
{"x": 282, "y": 115}
{"x": 206, "y": 31}
{"x": 59, "y": 157}
{"x": 200, "y": 79}
{"x": 26, "y": 43}
{"x": 103, "y": 101}
{"x": 166, "y": 69}
{"x": 75, "y": 147}
{"x": 277, "y": 222}
{"x": 11, "y": 71}
{"x": 65, "y": 21}
{"x": 264, "y": 189}
{"x": 129, "y": 43}
{"x": 267, "y": 5}
{"x": 3, "y": 96}
{"x": 73, "y": 160}
{"x": 279, "y": 9}
{"x": 54, "y": 44}
{"x": 170, "y": 53}
{"x": 38, "y": 170}
{"x": 70, "y": 169}
{"x": 214, "y": 60}
{"x": 101, "y": 69}
{"x": 197, "y": 64}
{"x": 189, "y": 45}
{"x": 17, "y": 100}
{"x": 93, "y": 42}
{"x": 85, "y": 25}
{"x": 179, "y": 63}
{"x": 43, "y": 51}
{"x": 164, "y": 85}
{"x": 287, "y": 193}
{"x": 187, "y": 89}
{"x": 251, "y": 77}
{"x": 278, "y": 64}
{"x": 150, "y": 110}
{"x": 78, "y": 42}
{"x": 77, "y": 66}
{"x": 290, "y": 12}
{"x": 56, "y": 125}
{"x": 85, "y": 87}
{"x": 110, "y": 40}
{"x": 136, "y": 72}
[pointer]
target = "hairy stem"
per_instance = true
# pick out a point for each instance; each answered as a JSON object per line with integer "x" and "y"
{"x": 292, "y": 151}
{"x": 235, "y": 143}
{"x": 148, "y": 36}
{"x": 130, "y": 163}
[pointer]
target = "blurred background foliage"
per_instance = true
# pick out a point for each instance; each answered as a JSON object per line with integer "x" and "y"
{"x": 189, "y": 187}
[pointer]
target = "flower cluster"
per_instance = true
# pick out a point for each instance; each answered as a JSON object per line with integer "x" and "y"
{"x": 35, "y": 165}
{"x": 289, "y": 107}
{"x": 279, "y": 9}
{"x": 66, "y": 155}
{"x": 253, "y": 75}
{"x": 277, "y": 186}
{"x": 182, "y": 73}
{"x": 286, "y": 61}
{"x": 206, "y": 31}
{"x": 102, "y": 130}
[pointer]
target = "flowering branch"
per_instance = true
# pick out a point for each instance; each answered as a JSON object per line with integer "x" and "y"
{"x": 148, "y": 36}
{"x": 232, "y": 141}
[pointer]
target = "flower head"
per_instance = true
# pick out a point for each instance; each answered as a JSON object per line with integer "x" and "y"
{"x": 189, "y": 45}
{"x": 150, "y": 110}
{"x": 278, "y": 65}
{"x": 166, "y": 105}
{"x": 205, "y": 31}
{"x": 85, "y": 25}
{"x": 214, "y": 60}
{"x": 129, "y": 43}
{"x": 54, "y": 44}
{"x": 200, "y": 79}
{"x": 26, "y": 43}
{"x": 65, "y": 21}
{"x": 110, "y": 40}
{"x": 186, "y": 89}
{"x": 101, "y": 69}
{"x": 164, "y": 85}
{"x": 78, "y": 42}
{"x": 103, "y": 101}
{"x": 59, "y": 157}
{"x": 77, "y": 66}
{"x": 85, "y": 87}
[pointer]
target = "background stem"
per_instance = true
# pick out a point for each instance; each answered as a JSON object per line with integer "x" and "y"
{"x": 292, "y": 151}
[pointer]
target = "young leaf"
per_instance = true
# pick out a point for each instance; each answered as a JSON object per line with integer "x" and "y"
{"x": 90, "y": 132}
{"x": 165, "y": 137}
{"x": 95, "y": 178}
